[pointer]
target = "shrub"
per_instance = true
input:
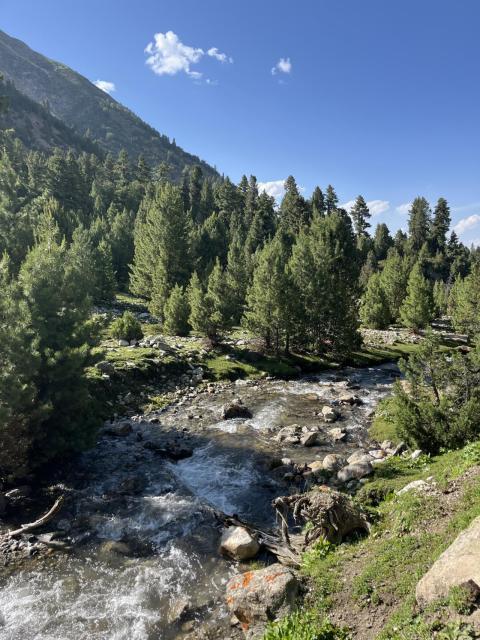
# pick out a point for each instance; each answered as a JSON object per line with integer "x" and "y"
{"x": 127, "y": 327}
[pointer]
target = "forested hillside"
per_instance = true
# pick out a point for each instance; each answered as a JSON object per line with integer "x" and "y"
{"x": 205, "y": 255}
{"x": 78, "y": 103}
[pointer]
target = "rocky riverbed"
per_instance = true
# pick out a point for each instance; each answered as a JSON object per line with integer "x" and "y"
{"x": 134, "y": 553}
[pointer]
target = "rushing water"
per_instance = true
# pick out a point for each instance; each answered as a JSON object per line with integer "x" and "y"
{"x": 163, "y": 512}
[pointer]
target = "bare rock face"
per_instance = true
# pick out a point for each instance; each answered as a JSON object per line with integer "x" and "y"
{"x": 458, "y": 565}
{"x": 237, "y": 543}
{"x": 235, "y": 410}
{"x": 256, "y": 597}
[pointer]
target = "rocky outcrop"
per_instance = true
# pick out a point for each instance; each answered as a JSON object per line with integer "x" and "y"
{"x": 458, "y": 565}
{"x": 237, "y": 543}
{"x": 257, "y": 597}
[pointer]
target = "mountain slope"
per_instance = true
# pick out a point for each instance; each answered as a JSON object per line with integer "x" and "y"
{"x": 81, "y": 105}
{"x": 36, "y": 127}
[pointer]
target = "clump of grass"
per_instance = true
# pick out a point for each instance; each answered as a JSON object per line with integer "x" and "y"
{"x": 304, "y": 625}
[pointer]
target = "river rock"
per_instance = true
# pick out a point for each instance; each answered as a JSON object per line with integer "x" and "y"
{"x": 459, "y": 564}
{"x": 237, "y": 543}
{"x": 257, "y": 597}
{"x": 329, "y": 414}
{"x": 123, "y": 343}
{"x": 415, "y": 485}
{"x": 235, "y": 410}
{"x": 111, "y": 547}
{"x": 309, "y": 439}
{"x": 333, "y": 462}
{"x": 316, "y": 467}
{"x": 292, "y": 431}
{"x": 105, "y": 367}
{"x": 355, "y": 471}
{"x": 119, "y": 429}
{"x": 350, "y": 398}
{"x": 359, "y": 456}
{"x": 337, "y": 434}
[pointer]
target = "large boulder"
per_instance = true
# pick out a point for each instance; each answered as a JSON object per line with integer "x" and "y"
{"x": 333, "y": 462}
{"x": 256, "y": 597}
{"x": 355, "y": 471}
{"x": 235, "y": 410}
{"x": 237, "y": 543}
{"x": 459, "y": 564}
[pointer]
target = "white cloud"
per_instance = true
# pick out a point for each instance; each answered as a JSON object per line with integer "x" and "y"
{"x": 274, "y": 188}
{"x": 221, "y": 57}
{"x": 466, "y": 223}
{"x": 376, "y": 207}
{"x": 403, "y": 209}
{"x": 167, "y": 55}
{"x": 283, "y": 66}
{"x": 104, "y": 85}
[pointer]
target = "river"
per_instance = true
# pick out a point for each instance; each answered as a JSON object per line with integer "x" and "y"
{"x": 169, "y": 571}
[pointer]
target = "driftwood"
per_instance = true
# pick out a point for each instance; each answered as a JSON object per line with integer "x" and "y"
{"x": 269, "y": 539}
{"x": 331, "y": 515}
{"x": 25, "y": 528}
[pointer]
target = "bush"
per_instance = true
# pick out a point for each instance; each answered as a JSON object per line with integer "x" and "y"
{"x": 127, "y": 327}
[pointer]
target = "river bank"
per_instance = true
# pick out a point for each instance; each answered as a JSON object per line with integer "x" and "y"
{"x": 141, "y": 542}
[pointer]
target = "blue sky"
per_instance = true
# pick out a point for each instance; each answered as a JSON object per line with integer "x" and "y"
{"x": 376, "y": 97}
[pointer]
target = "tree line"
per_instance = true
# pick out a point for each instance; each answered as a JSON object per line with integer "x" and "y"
{"x": 206, "y": 255}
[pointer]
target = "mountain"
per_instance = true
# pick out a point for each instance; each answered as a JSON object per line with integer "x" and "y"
{"x": 36, "y": 127}
{"x": 81, "y": 106}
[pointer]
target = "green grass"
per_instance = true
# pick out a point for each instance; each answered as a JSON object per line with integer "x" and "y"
{"x": 402, "y": 545}
{"x": 304, "y": 625}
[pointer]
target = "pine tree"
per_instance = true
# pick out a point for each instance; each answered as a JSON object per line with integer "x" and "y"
{"x": 417, "y": 309}
{"x": 394, "y": 282}
{"x": 200, "y": 307}
{"x": 440, "y": 225}
{"x": 268, "y": 304}
{"x": 293, "y": 210}
{"x": 360, "y": 215}
{"x": 418, "y": 223}
{"x": 177, "y": 311}
{"x": 465, "y": 303}
{"x": 382, "y": 241}
{"x": 374, "y": 310}
{"x": 161, "y": 248}
{"x": 48, "y": 317}
{"x": 105, "y": 283}
{"x": 219, "y": 300}
{"x": 318, "y": 202}
{"x": 331, "y": 199}
{"x": 236, "y": 280}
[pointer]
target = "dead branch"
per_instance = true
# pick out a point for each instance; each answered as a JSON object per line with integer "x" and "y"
{"x": 25, "y": 528}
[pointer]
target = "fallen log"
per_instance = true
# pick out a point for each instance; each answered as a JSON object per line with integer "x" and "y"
{"x": 25, "y": 528}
